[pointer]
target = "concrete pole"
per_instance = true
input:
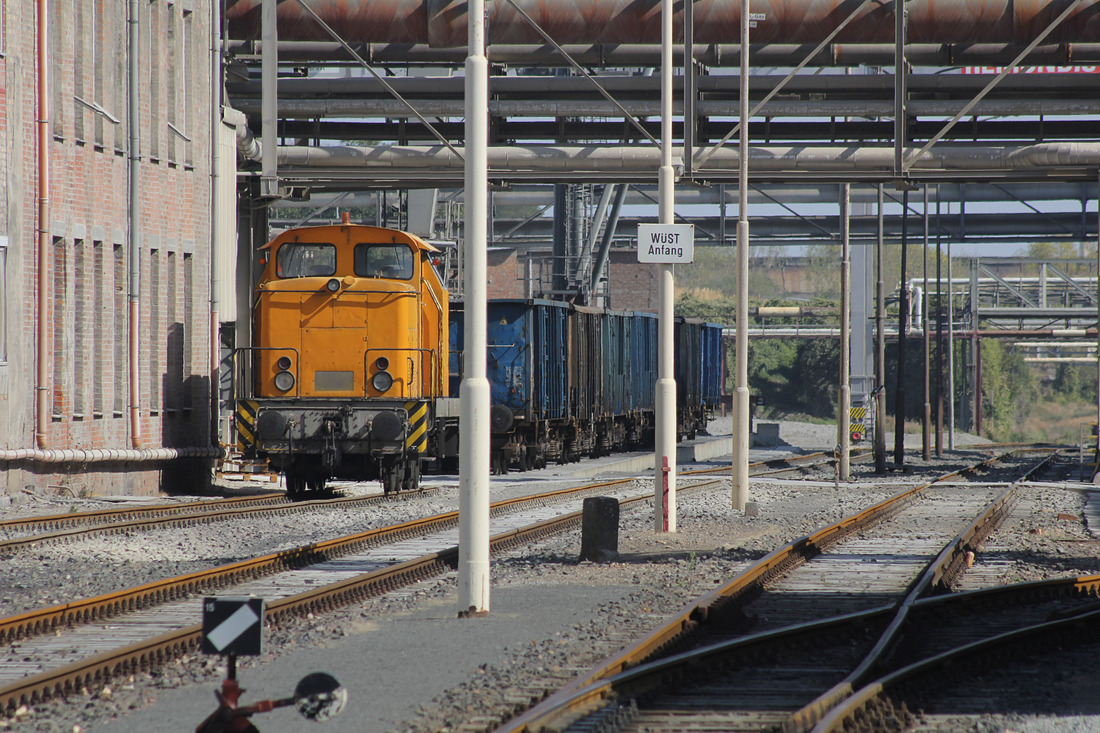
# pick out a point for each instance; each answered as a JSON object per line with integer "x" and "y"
{"x": 880, "y": 348}
{"x": 664, "y": 470}
{"x": 926, "y": 422}
{"x": 740, "y": 492}
{"x": 844, "y": 402}
{"x": 473, "y": 480}
{"x": 903, "y": 319}
{"x": 950, "y": 356}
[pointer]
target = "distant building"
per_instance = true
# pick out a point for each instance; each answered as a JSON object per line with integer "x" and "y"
{"x": 105, "y": 242}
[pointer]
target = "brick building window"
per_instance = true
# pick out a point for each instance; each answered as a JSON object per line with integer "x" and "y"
{"x": 188, "y": 329}
{"x": 152, "y": 351}
{"x": 100, "y": 322}
{"x": 120, "y": 312}
{"x": 81, "y": 317}
{"x": 173, "y": 368}
{"x": 154, "y": 39}
{"x": 3, "y": 297}
{"x": 60, "y": 327}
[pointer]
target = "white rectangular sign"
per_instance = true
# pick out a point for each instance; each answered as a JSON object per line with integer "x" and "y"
{"x": 666, "y": 243}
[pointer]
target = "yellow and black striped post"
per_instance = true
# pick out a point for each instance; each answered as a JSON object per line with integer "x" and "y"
{"x": 244, "y": 418}
{"x": 857, "y": 423}
{"x": 417, "y": 442}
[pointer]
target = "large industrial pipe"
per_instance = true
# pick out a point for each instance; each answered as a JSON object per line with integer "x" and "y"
{"x": 711, "y": 55}
{"x": 643, "y": 158}
{"x": 81, "y": 457}
{"x": 443, "y": 23}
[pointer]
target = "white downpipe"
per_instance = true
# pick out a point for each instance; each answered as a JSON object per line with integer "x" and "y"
{"x": 216, "y": 214}
{"x": 473, "y": 480}
{"x": 43, "y": 383}
{"x": 664, "y": 470}
{"x": 134, "y": 296}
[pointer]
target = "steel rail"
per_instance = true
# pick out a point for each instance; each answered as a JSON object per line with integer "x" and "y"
{"x": 947, "y": 566}
{"x": 87, "y": 610}
{"x": 18, "y": 543}
{"x": 51, "y": 521}
{"x": 595, "y": 683}
{"x": 645, "y": 677}
{"x": 1049, "y": 634}
{"x": 142, "y": 655}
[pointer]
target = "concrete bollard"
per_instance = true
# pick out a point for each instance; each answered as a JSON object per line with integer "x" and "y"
{"x": 600, "y": 529}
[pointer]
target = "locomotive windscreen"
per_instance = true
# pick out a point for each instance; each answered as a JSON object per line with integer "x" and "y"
{"x": 305, "y": 259}
{"x": 392, "y": 261}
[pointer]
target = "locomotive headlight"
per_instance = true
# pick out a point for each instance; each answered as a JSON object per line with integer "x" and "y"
{"x": 283, "y": 363}
{"x": 381, "y": 381}
{"x": 284, "y": 381}
{"x": 382, "y": 363}
{"x": 333, "y": 285}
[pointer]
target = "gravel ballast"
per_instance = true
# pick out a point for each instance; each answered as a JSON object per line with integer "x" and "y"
{"x": 413, "y": 666}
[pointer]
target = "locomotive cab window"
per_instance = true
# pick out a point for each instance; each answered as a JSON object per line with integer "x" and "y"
{"x": 303, "y": 259}
{"x": 391, "y": 261}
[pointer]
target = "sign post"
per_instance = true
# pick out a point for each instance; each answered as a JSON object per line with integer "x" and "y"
{"x": 665, "y": 245}
{"x": 233, "y": 627}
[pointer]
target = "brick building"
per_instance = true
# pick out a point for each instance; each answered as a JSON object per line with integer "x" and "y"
{"x": 633, "y": 285}
{"x": 105, "y": 245}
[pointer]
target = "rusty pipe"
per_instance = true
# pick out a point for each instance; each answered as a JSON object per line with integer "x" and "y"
{"x": 442, "y": 23}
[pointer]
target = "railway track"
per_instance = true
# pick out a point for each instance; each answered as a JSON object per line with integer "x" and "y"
{"x": 799, "y": 631}
{"x": 57, "y": 650}
{"x": 32, "y": 532}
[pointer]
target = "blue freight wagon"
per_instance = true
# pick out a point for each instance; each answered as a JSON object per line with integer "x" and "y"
{"x": 568, "y": 381}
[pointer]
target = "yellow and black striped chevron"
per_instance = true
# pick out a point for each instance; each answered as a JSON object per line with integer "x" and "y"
{"x": 245, "y": 420}
{"x": 417, "y": 441}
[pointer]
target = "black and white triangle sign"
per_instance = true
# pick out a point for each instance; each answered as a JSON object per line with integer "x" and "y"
{"x": 233, "y": 626}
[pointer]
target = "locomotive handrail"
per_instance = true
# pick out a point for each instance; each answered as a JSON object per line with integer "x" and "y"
{"x": 436, "y": 378}
{"x": 356, "y": 291}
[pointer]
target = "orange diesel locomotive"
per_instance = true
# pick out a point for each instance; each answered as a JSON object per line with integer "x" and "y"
{"x": 349, "y": 355}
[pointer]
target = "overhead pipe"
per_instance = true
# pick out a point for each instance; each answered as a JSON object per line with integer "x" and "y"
{"x": 608, "y": 236}
{"x": 343, "y": 105}
{"x": 713, "y": 55}
{"x": 107, "y": 455}
{"x": 643, "y": 158}
{"x": 443, "y": 23}
{"x": 537, "y": 194}
{"x": 42, "y": 386}
{"x": 248, "y": 147}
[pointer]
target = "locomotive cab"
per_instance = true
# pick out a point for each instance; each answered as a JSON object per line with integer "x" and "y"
{"x": 349, "y": 353}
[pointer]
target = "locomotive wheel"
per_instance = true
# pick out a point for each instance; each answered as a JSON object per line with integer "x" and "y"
{"x": 393, "y": 475}
{"x": 411, "y": 481}
{"x": 316, "y": 484}
{"x": 295, "y": 484}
